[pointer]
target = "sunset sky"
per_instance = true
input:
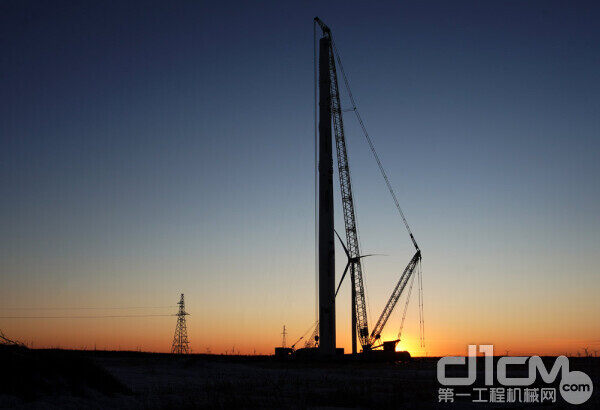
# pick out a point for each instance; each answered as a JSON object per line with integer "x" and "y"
{"x": 166, "y": 149}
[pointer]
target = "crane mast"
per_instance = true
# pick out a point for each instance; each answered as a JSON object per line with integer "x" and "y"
{"x": 360, "y": 325}
{"x": 359, "y": 307}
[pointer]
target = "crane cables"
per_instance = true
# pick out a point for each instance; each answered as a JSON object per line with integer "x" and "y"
{"x": 421, "y": 317}
{"x": 387, "y": 183}
{"x": 370, "y": 142}
{"x": 412, "y": 282}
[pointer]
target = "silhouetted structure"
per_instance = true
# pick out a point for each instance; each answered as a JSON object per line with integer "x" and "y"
{"x": 180, "y": 340}
{"x": 326, "y": 239}
{"x": 284, "y": 333}
{"x": 5, "y": 341}
{"x": 331, "y": 124}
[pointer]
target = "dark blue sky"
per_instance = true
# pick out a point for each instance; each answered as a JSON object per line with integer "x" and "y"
{"x": 177, "y": 137}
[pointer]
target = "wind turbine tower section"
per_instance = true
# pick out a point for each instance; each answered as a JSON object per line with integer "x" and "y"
{"x": 327, "y": 341}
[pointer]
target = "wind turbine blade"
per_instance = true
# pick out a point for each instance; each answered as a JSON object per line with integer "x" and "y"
{"x": 344, "y": 246}
{"x": 372, "y": 254}
{"x": 342, "y": 279}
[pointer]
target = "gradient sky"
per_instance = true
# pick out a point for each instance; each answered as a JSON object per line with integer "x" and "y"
{"x": 148, "y": 151}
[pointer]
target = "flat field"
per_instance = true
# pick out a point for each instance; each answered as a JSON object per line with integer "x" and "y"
{"x": 80, "y": 379}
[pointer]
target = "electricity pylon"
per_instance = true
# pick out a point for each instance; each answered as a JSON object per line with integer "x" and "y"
{"x": 284, "y": 333}
{"x": 180, "y": 340}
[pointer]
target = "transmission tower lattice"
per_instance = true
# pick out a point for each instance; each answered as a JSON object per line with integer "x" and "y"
{"x": 284, "y": 333}
{"x": 180, "y": 340}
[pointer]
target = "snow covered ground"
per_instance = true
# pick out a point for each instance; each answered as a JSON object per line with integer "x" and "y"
{"x": 156, "y": 381}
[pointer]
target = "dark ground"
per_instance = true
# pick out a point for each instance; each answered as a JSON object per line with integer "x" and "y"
{"x": 87, "y": 379}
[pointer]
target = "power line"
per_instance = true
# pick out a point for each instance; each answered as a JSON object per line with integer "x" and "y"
{"x": 79, "y": 317}
{"x": 87, "y": 308}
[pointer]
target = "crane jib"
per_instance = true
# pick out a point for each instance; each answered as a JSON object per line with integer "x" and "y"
{"x": 389, "y": 307}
